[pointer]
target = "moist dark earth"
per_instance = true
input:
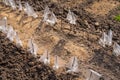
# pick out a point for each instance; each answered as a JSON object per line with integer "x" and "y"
{"x": 18, "y": 64}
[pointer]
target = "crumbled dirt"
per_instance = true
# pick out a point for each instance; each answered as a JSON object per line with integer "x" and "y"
{"x": 16, "y": 63}
{"x": 101, "y": 7}
{"x": 66, "y": 40}
{"x": 106, "y": 60}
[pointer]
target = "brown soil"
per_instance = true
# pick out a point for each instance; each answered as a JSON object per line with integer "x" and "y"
{"x": 18, "y": 64}
{"x": 102, "y": 7}
{"x": 66, "y": 40}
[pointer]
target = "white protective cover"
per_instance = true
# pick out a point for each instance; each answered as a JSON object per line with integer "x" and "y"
{"x": 73, "y": 65}
{"x": 71, "y": 17}
{"x": 30, "y": 11}
{"x": 45, "y": 57}
{"x": 49, "y": 16}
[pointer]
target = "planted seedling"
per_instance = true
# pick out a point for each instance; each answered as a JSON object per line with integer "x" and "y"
{"x": 73, "y": 65}
{"x": 32, "y": 47}
{"x": 71, "y": 17}
{"x": 106, "y": 39}
{"x": 49, "y": 16}
{"x": 93, "y": 75}
{"x": 45, "y": 58}
{"x": 116, "y": 49}
{"x": 30, "y": 11}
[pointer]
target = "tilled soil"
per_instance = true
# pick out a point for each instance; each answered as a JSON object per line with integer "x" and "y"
{"x": 110, "y": 63}
{"x": 17, "y": 64}
{"x": 87, "y": 31}
{"x": 90, "y": 23}
{"x": 102, "y": 57}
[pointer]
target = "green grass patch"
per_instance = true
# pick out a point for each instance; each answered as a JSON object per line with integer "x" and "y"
{"x": 117, "y": 18}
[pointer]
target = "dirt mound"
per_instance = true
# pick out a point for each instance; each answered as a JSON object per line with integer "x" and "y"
{"x": 17, "y": 64}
